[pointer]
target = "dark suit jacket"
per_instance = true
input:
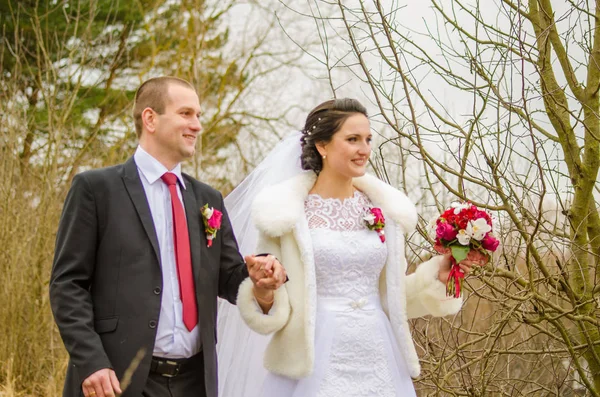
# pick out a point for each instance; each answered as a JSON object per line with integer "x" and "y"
{"x": 106, "y": 282}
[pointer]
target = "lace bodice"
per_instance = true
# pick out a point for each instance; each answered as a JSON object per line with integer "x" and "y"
{"x": 348, "y": 256}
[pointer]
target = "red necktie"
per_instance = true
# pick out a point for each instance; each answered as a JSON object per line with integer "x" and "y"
{"x": 182, "y": 255}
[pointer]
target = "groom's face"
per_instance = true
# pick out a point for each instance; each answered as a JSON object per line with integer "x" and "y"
{"x": 179, "y": 126}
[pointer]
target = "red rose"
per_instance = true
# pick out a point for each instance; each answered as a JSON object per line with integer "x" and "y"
{"x": 462, "y": 223}
{"x": 447, "y": 216}
{"x": 471, "y": 212}
{"x": 490, "y": 243}
{"x": 446, "y": 232}
{"x": 215, "y": 220}
{"x": 449, "y": 213}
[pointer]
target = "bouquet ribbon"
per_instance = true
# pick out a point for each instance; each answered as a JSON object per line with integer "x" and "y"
{"x": 454, "y": 283}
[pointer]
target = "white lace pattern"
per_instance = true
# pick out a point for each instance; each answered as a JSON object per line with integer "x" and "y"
{"x": 348, "y": 261}
{"x": 335, "y": 214}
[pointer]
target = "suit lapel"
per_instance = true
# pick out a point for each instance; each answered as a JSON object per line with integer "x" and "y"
{"x": 134, "y": 187}
{"x": 192, "y": 215}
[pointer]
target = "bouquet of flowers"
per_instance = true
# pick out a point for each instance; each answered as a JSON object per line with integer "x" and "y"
{"x": 466, "y": 232}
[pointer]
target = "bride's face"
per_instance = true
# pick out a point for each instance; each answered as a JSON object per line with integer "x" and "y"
{"x": 349, "y": 149}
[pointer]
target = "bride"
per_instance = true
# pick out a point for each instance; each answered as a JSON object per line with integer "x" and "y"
{"x": 339, "y": 326}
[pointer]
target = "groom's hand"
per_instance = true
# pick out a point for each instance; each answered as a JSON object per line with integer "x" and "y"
{"x": 102, "y": 383}
{"x": 266, "y": 272}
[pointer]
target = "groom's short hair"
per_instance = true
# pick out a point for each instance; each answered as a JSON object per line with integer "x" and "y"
{"x": 153, "y": 94}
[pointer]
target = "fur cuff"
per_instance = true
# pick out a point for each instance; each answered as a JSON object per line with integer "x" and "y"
{"x": 252, "y": 313}
{"x": 433, "y": 292}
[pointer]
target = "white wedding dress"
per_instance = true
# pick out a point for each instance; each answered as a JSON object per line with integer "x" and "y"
{"x": 356, "y": 353}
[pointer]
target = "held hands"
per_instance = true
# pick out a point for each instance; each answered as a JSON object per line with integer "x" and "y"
{"x": 102, "y": 383}
{"x": 267, "y": 275}
{"x": 265, "y": 271}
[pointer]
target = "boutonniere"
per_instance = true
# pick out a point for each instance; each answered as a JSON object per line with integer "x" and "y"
{"x": 212, "y": 222}
{"x": 375, "y": 221}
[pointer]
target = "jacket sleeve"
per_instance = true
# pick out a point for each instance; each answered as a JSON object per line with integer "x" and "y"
{"x": 250, "y": 310}
{"x": 426, "y": 294}
{"x": 71, "y": 277}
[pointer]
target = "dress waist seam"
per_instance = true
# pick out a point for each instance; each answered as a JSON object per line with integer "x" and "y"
{"x": 344, "y": 304}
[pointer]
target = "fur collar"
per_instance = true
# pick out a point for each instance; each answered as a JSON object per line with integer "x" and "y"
{"x": 278, "y": 208}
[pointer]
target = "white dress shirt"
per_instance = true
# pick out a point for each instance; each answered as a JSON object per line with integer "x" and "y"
{"x": 173, "y": 340}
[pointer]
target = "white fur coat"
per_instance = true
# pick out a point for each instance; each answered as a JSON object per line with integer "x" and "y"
{"x": 278, "y": 213}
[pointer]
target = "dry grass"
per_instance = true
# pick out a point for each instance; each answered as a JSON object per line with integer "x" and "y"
{"x": 32, "y": 357}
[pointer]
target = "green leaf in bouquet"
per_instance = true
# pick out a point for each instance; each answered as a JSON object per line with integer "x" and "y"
{"x": 460, "y": 252}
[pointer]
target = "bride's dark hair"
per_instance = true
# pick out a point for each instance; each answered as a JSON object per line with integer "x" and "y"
{"x": 321, "y": 124}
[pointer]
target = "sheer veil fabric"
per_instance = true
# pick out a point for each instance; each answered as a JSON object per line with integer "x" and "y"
{"x": 240, "y": 350}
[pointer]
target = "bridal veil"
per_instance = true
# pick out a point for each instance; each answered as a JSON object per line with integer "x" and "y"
{"x": 240, "y": 350}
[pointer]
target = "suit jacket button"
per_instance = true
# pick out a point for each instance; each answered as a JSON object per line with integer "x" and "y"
{"x": 152, "y": 324}
{"x": 157, "y": 291}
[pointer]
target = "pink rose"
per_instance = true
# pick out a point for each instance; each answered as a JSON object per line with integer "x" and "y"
{"x": 215, "y": 220}
{"x": 490, "y": 243}
{"x": 378, "y": 215}
{"x": 445, "y": 231}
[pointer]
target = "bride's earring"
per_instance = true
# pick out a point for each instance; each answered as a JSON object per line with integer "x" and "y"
{"x": 324, "y": 156}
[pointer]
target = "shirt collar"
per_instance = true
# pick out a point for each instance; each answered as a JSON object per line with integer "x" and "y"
{"x": 152, "y": 168}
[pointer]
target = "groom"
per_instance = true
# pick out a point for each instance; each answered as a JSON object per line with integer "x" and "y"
{"x": 136, "y": 273}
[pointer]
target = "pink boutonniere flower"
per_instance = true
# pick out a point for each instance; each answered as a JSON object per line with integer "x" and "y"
{"x": 375, "y": 221}
{"x": 212, "y": 222}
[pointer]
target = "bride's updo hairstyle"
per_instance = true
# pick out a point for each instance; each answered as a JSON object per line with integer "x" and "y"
{"x": 321, "y": 124}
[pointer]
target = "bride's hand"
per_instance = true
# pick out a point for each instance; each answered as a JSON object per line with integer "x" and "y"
{"x": 446, "y": 265}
